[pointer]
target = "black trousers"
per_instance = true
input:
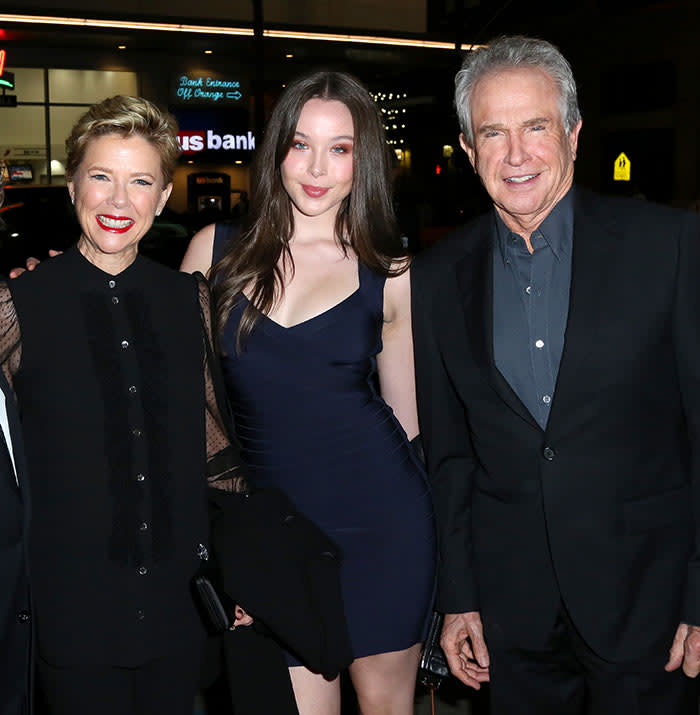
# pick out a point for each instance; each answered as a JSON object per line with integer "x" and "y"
{"x": 166, "y": 686}
{"x": 566, "y": 677}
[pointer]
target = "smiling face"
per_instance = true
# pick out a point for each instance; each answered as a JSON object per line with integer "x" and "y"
{"x": 521, "y": 150}
{"x": 117, "y": 190}
{"x": 317, "y": 171}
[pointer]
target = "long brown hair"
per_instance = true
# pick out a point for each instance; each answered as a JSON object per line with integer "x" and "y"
{"x": 365, "y": 221}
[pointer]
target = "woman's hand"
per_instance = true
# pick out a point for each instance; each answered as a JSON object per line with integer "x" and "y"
{"x": 242, "y": 618}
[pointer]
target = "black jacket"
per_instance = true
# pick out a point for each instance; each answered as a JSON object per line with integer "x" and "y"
{"x": 601, "y": 509}
{"x": 285, "y": 572}
{"x": 15, "y": 614}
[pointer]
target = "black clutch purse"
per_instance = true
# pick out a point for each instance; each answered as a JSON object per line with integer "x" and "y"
{"x": 213, "y": 608}
{"x": 433, "y": 669}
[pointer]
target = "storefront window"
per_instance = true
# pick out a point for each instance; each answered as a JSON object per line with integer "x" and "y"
{"x": 89, "y": 86}
{"x": 22, "y": 145}
{"x": 29, "y": 83}
{"x": 24, "y": 151}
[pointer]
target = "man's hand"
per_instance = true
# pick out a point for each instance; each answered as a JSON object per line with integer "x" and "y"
{"x": 685, "y": 650}
{"x": 32, "y": 263}
{"x": 465, "y": 648}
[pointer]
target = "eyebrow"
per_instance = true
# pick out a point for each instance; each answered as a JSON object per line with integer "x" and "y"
{"x": 107, "y": 170}
{"x": 342, "y": 137}
{"x": 527, "y": 123}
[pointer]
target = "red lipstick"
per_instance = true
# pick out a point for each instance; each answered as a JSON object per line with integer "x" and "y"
{"x": 114, "y": 224}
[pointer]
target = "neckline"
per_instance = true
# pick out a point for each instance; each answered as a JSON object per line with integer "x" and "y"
{"x": 319, "y": 316}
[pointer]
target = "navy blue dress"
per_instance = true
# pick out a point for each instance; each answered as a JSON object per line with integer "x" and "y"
{"x": 311, "y": 421}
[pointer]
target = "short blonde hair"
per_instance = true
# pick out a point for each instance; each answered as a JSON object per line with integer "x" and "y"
{"x": 126, "y": 116}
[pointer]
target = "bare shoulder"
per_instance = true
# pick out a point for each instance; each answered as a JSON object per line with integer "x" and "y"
{"x": 199, "y": 253}
{"x": 397, "y": 293}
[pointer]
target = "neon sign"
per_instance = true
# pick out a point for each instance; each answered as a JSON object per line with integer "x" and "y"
{"x": 205, "y": 89}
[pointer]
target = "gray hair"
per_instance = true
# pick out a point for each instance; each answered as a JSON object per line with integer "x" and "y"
{"x": 515, "y": 52}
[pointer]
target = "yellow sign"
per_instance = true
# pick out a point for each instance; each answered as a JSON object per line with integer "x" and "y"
{"x": 623, "y": 167}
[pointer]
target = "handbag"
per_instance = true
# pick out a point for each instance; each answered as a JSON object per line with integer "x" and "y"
{"x": 433, "y": 669}
{"x": 216, "y": 616}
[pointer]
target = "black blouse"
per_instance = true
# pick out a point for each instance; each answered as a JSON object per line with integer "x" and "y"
{"x": 120, "y": 420}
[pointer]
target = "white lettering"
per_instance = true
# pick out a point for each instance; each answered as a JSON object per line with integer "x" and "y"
{"x": 229, "y": 141}
{"x": 213, "y": 140}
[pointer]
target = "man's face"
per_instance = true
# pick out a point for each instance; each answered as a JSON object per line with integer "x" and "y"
{"x": 521, "y": 151}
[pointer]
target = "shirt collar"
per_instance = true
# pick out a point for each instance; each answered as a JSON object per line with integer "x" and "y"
{"x": 557, "y": 230}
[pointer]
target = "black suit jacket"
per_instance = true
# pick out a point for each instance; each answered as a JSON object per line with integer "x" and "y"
{"x": 15, "y": 619}
{"x": 601, "y": 509}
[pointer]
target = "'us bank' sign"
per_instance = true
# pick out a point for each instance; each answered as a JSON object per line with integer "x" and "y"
{"x": 192, "y": 142}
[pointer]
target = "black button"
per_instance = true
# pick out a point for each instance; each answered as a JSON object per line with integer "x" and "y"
{"x": 132, "y": 389}
{"x": 112, "y": 284}
{"x": 125, "y": 344}
{"x": 140, "y": 477}
{"x": 115, "y": 300}
{"x": 24, "y": 617}
{"x": 548, "y": 453}
{"x": 140, "y": 615}
{"x": 143, "y": 570}
{"x": 136, "y": 432}
{"x": 143, "y": 526}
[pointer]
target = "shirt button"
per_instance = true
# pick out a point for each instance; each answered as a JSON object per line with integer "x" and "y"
{"x": 548, "y": 453}
{"x": 143, "y": 526}
{"x": 125, "y": 344}
{"x": 140, "y": 615}
{"x": 112, "y": 284}
{"x": 528, "y": 290}
{"x": 132, "y": 389}
{"x": 115, "y": 300}
{"x": 539, "y": 344}
{"x": 23, "y": 617}
{"x": 136, "y": 432}
{"x": 140, "y": 477}
{"x": 143, "y": 570}
{"x": 547, "y": 399}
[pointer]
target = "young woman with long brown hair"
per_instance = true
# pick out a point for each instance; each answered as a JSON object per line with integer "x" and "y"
{"x": 313, "y": 317}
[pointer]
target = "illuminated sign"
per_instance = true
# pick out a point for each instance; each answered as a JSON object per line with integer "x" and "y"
{"x": 195, "y": 141}
{"x": 623, "y": 168}
{"x": 206, "y": 88}
{"x": 7, "y": 79}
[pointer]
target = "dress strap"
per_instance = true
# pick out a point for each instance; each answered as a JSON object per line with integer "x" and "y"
{"x": 224, "y": 232}
{"x": 372, "y": 287}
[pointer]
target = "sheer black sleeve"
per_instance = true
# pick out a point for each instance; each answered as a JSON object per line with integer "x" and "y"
{"x": 10, "y": 336}
{"x": 225, "y": 467}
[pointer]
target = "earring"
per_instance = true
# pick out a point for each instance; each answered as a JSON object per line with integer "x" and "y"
{"x": 158, "y": 212}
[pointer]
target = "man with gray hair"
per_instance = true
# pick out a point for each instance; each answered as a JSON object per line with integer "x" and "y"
{"x": 557, "y": 345}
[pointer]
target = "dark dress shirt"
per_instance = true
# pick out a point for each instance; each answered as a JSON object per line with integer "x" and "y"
{"x": 531, "y": 305}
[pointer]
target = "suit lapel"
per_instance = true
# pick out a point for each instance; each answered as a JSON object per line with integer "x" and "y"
{"x": 475, "y": 282}
{"x": 591, "y": 271}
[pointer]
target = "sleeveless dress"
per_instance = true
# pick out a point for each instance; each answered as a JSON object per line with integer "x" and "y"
{"x": 311, "y": 421}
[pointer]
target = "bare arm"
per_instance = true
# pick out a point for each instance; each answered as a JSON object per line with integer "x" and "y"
{"x": 395, "y": 362}
{"x": 199, "y": 253}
